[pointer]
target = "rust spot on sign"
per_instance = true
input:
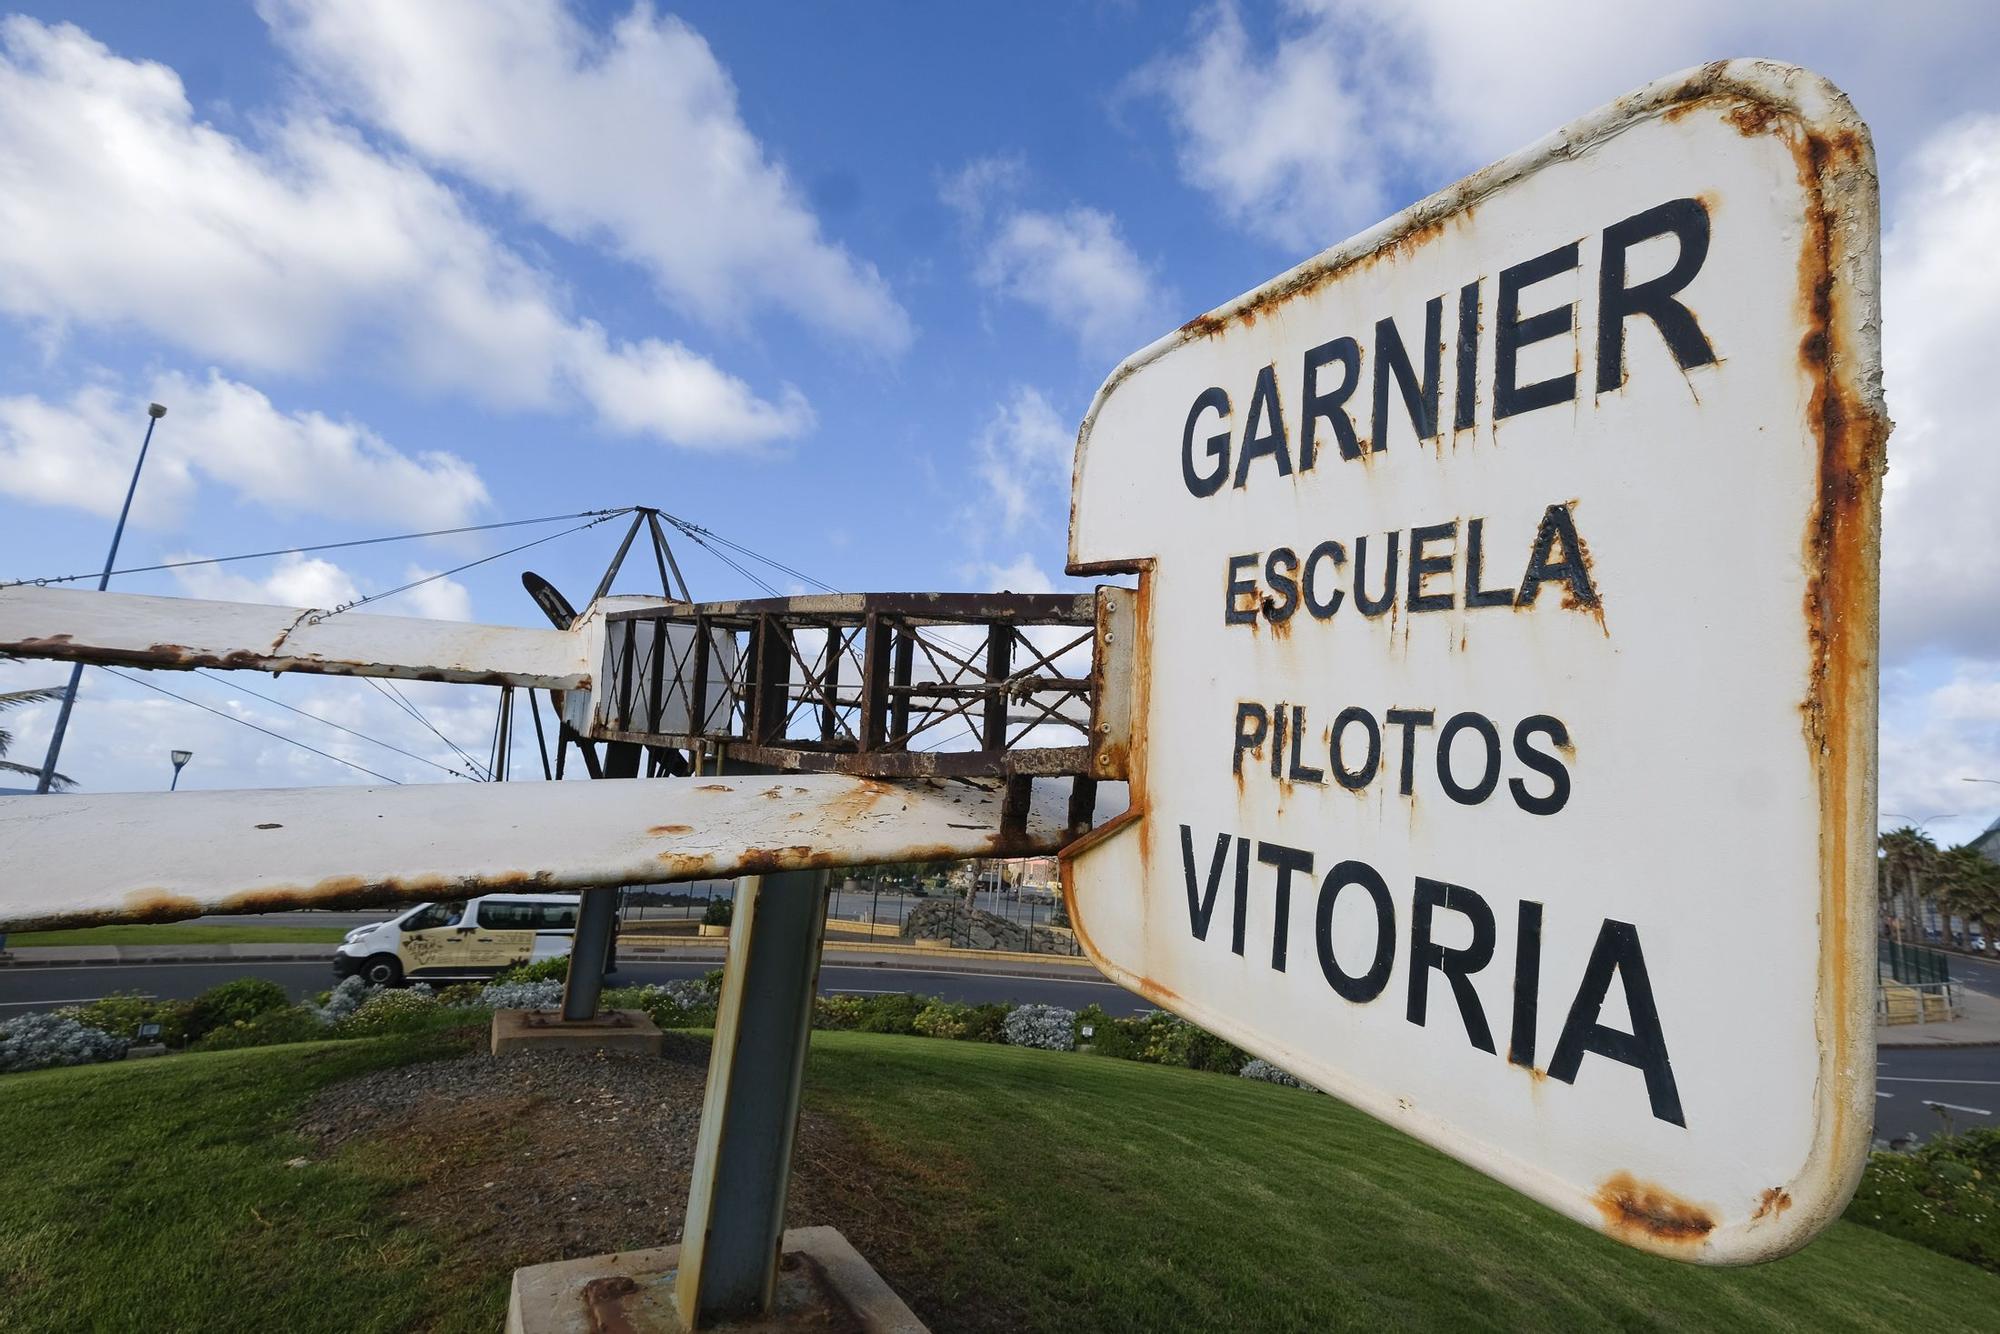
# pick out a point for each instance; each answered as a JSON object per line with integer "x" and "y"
{"x": 1771, "y": 1204}
{"x": 1751, "y": 117}
{"x": 668, "y": 830}
{"x": 715, "y": 787}
{"x": 1635, "y": 1209}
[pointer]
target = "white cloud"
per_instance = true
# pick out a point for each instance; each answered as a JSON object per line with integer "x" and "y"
{"x": 80, "y": 452}
{"x": 1295, "y": 140}
{"x": 437, "y": 600}
{"x": 296, "y": 581}
{"x": 120, "y": 209}
{"x": 1940, "y": 320}
{"x": 1023, "y": 459}
{"x": 1073, "y": 266}
{"x": 633, "y": 138}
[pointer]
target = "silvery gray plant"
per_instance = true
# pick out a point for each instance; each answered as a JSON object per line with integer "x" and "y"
{"x": 1049, "y": 1027}
{"x": 1259, "y": 1068}
{"x": 40, "y": 1041}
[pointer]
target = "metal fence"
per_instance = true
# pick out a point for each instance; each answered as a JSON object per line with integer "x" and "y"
{"x": 1912, "y": 965}
{"x": 862, "y": 909}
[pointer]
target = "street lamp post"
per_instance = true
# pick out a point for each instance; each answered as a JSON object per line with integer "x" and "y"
{"x": 180, "y": 759}
{"x": 154, "y": 411}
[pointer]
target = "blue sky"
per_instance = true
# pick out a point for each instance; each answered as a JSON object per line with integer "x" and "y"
{"x": 835, "y": 281}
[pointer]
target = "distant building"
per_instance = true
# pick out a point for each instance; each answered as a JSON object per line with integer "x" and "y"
{"x": 1988, "y": 843}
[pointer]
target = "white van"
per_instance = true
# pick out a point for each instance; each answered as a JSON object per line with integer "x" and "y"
{"x": 463, "y": 939}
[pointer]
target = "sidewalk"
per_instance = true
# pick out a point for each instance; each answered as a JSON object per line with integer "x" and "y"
{"x": 71, "y": 956}
{"x": 1978, "y": 1025}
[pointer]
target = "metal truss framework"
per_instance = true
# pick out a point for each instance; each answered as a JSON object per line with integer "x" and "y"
{"x": 870, "y": 684}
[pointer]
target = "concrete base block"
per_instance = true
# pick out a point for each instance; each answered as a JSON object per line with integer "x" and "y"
{"x": 620, "y": 1031}
{"x": 823, "y": 1285}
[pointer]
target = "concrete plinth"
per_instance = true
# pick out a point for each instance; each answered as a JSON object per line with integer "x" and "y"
{"x": 629, "y": 1032}
{"x": 823, "y": 1285}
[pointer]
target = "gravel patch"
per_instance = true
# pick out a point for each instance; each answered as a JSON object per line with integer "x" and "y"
{"x": 539, "y": 1156}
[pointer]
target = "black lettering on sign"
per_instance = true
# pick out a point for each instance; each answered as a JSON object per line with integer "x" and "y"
{"x": 1278, "y": 741}
{"x": 1375, "y": 606}
{"x": 1489, "y": 775}
{"x": 1686, "y": 220}
{"x": 1355, "y": 779}
{"x": 1457, "y": 965}
{"x": 1475, "y": 570}
{"x": 1410, "y": 720}
{"x": 1527, "y": 984}
{"x": 1363, "y": 987}
{"x": 1300, "y": 772}
{"x": 1542, "y": 762}
{"x": 1512, "y": 333}
{"x": 1252, "y": 726}
{"x": 1235, "y": 590}
{"x": 1216, "y": 447}
{"x": 1392, "y": 358}
{"x": 1330, "y": 403}
{"x": 1278, "y": 568}
{"x": 1329, "y": 551}
{"x": 1287, "y": 860}
{"x": 1423, "y": 566}
{"x": 1544, "y": 568}
{"x": 1270, "y": 440}
{"x": 1242, "y": 895}
{"x": 1201, "y": 906}
{"x": 1466, "y": 382}
{"x": 1617, "y": 953}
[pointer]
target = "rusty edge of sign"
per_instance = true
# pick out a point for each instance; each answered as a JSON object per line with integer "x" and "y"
{"x": 1840, "y": 361}
{"x": 159, "y": 857}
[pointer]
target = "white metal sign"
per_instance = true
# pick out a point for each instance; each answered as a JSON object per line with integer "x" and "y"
{"x": 1503, "y": 758}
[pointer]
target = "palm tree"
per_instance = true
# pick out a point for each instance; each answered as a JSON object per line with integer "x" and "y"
{"x": 14, "y": 699}
{"x": 1909, "y": 857}
{"x": 1970, "y": 885}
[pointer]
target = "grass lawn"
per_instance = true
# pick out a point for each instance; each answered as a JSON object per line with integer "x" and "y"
{"x": 996, "y": 1188}
{"x": 173, "y": 933}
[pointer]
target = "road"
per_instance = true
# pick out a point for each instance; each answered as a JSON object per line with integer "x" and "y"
{"x": 1906, "y": 1078}
{"x": 24, "y": 989}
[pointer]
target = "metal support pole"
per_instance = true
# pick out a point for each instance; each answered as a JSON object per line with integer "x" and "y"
{"x": 588, "y": 951}
{"x": 596, "y": 919}
{"x": 47, "y": 777}
{"x": 743, "y": 1154}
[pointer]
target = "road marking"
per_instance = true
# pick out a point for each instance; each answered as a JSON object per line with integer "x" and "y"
{"x": 1912, "y": 1079}
{"x": 1954, "y": 1107}
{"x": 1880, "y": 1094}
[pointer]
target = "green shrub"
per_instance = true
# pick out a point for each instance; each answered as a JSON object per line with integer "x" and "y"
{"x": 389, "y": 1012}
{"x": 121, "y": 1016}
{"x": 294, "y": 1023}
{"x": 718, "y": 912}
{"x": 461, "y": 995}
{"x": 1944, "y": 1196}
{"x": 838, "y": 1012}
{"x": 987, "y": 1023}
{"x": 547, "y": 970}
{"x": 234, "y": 1002}
{"x": 891, "y": 1014}
{"x": 943, "y": 1019}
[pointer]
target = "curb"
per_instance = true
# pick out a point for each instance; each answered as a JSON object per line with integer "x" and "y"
{"x": 14, "y": 960}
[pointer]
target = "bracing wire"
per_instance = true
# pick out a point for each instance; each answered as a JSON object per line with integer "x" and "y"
{"x": 245, "y": 722}
{"x": 316, "y": 617}
{"x": 268, "y": 699}
{"x": 322, "y": 546}
{"x": 396, "y": 697}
